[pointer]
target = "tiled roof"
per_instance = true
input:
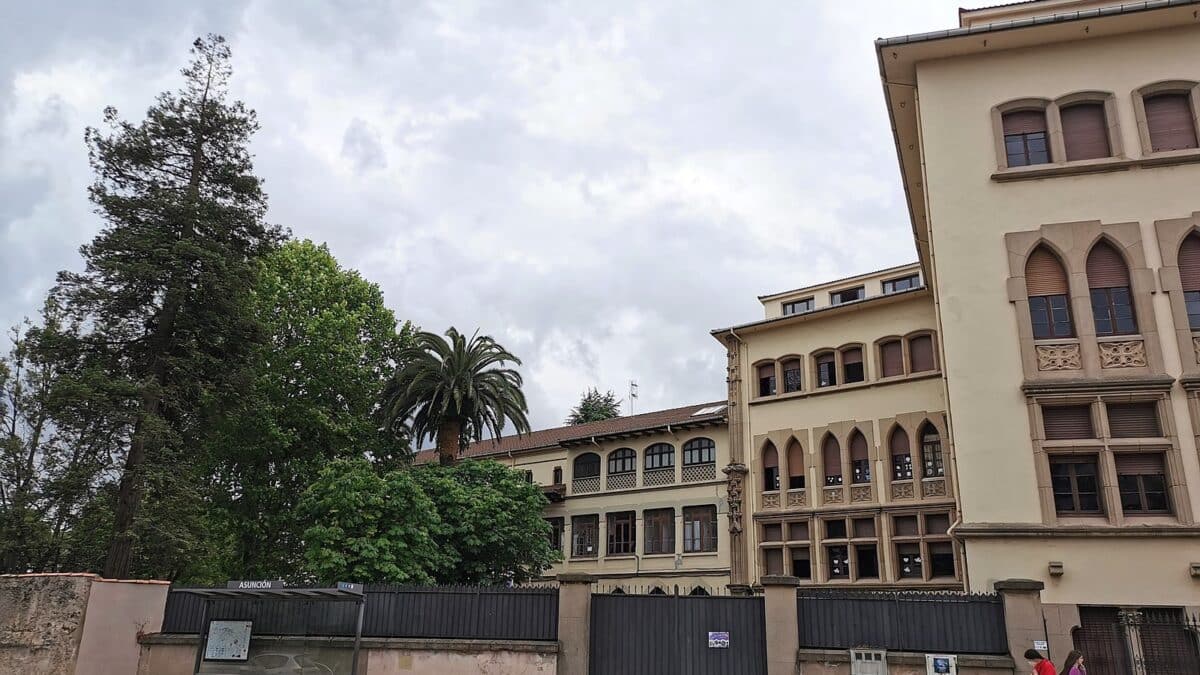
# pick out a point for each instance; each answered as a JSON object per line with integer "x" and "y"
{"x": 569, "y": 435}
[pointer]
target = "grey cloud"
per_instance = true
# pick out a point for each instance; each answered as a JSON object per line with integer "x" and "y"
{"x": 361, "y": 145}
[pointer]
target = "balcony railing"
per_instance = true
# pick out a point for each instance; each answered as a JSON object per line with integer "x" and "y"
{"x": 582, "y": 485}
{"x": 656, "y": 477}
{"x": 699, "y": 472}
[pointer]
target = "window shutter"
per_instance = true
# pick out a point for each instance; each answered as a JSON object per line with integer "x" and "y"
{"x": 1133, "y": 420}
{"x": 921, "y": 352}
{"x": 1170, "y": 122}
{"x": 1106, "y": 268}
{"x": 1085, "y": 131}
{"x": 858, "y": 448}
{"x": 1044, "y": 274}
{"x": 795, "y": 460}
{"x": 825, "y": 358}
{"x": 899, "y": 442}
{"x": 892, "y": 356}
{"x": 1189, "y": 263}
{"x": 1024, "y": 122}
{"x": 1139, "y": 464}
{"x": 766, "y": 370}
{"x": 1068, "y": 421}
{"x": 851, "y": 356}
{"x": 833, "y": 457}
{"x": 770, "y": 456}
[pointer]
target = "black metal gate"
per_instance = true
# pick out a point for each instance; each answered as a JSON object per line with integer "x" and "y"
{"x": 1151, "y": 641}
{"x": 669, "y": 635}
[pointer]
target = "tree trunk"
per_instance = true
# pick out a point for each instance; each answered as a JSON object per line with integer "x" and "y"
{"x": 449, "y": 442}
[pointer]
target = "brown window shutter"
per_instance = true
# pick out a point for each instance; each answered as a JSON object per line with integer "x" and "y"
{"x": 1139, "y": 464}
{"x": 852, "y": 356}
{"x": 899, "y": 442}
{"x": 1044, "y": 274}
{"x": 795, "y": 460}
{"x": 1106, "y": 268}
{"x": 920, "y": 351}
{"x": 1085, "y": 131}
{"x": 770, "y": 456}
{"x": 1189, "y": 263}
{"x": 892, "y": 356}
{"x": 1133, "y": 420}
{"x": 825, "y": 358}
{"x": 832, "y": 455}
{"x": 1024, "y": 122}
{"x": 766, "y": 370}
{"x": 1067, "y": 421}
{"x": 1170, "y": 121}
{"x": 858, "y": 448}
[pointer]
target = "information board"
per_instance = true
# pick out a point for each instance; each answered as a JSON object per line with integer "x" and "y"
{"x": 228, "y": 641}
{"x": 718, "y": 640}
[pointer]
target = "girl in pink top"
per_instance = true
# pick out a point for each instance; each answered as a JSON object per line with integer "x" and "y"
{"x": 1073, "y": 665}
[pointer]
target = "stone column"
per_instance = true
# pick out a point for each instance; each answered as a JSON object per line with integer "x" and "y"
{"x": 574, "y": 623}
{"x": 1023, "y": 620}
{"x": 739, "y": 576}
{"x": 783, "y": 631}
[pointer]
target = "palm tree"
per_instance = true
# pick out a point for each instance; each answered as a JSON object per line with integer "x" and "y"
{"x": 453, "y": 390}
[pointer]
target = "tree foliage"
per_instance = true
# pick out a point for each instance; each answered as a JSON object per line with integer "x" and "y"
{"x": 594, "y": 407}
{"x": 455, "y": 389}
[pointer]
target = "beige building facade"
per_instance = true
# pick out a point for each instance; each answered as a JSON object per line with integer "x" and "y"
{"x": 1049, "y": 154}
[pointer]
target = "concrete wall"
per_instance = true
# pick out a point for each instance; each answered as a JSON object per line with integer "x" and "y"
{"x": 117, "y": 613}
{"x": 42, "y": 622}
{"x": 176, "y": 654}
{"x": 837, "y": 662}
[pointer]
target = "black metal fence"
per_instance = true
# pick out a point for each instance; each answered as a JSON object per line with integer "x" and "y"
{"x": 463, "y": 612}
{"x": 1155, "y": 641}
{"x": 677, "y": 635}
{"x": 954, "y": 623}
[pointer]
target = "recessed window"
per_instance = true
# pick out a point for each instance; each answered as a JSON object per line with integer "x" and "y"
{"x": 905, "y": 526}
{"x": 835, "y": 529}
{"x": 1076, "y": 489}
{"x": 770, "y": 467}
{"x": 860, "y": 461}
{"x": 891, "y": 358}
{"x": 1170, "y": 121}
{"x": 558, "y": 475}
{"x": 839, "y": 561}
{"x": 773, "y": 560}
{"x": 901, "y": 284}
{"x": 863, "y": 527}
{"x": 795, "y": 466}
{"x": 766, "y": 379}
{"x": 1025, "y": 139}
{"x": 1108, "y": 282}
{"x": 792, "y": 375}
{"x": 1133, "y": 420}
{"x": 866, "y": 560}
{"x": 941, "y": 556}
{"x": 831, "y": 453}
{"x": 556, "y": 533}
{"x": 1142, "y": 481}
{"x": 798, "y": 531}
{"x": 660, "y": 456}
{"x": 909, "y": 557}
{"x": 931, "y": 452}
{"x": 773, "y": 532}
{"x": 528, "y": 476}
{"x": 622, "y": 461}
{"x": 826, "y": 370}
{"x": 585, "y": 531}
{"x": 920, "y": 351}
{"x": 660, "y": 530}
{"x": 798, "y": 306}
{"x": 1046, "y": 285}
{"x": 587, "y": 465}
{"x": 699, "y": 451}
{"x": 1085, "y": 131}
{"x": 1189, "y": 276}
{"x": 937, "y": 523}
{"x": 902, "y": 467}
{"x": 847, "y": 295}
{"x": 1067, "y": 421}
{"x": 622, "y": 533}
{"x": 699, "y": 529}
{"x": 801, "y": 563}
{"x": 852, "y": 365}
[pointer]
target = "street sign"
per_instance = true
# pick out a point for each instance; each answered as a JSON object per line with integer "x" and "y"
{"x": 1041, "y": 645}
{"x": 718, "y": 640}
{"x": 350, "y": 587}
{"x": 254, "y": 585}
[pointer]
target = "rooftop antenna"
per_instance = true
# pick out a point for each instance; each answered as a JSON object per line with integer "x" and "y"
{"x": 632, "y": 394}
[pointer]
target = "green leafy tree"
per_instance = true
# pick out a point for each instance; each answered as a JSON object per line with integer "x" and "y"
{"x": 594, "y": 407}
{"x": 166, "y": 286}
{"x": 453, "y": 390}
{"x": 331, "y": 346}
{"x": 370, "y": 528}
{"x": 494, "y": 530}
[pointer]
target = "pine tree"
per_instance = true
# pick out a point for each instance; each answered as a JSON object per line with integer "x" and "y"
{"x": 594, "y": 407}
{"x": 166, "y": 285}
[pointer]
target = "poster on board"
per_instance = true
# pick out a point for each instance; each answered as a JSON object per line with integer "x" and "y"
{"x": 228, "y": 641}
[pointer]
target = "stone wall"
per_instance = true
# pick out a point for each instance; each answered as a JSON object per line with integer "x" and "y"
{"x": 41, "y": 622}
{"x": 837, "y": 662}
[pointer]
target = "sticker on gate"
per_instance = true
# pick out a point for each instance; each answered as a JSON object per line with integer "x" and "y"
{"x": 718, "y": 640}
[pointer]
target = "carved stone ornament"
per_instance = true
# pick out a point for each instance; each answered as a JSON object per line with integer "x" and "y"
{"x": 797, "y": 498}
{"x": 860, "y": 493}
{"x": 770, "y": 500}
{"x": 737, "y": 475}
{"x": 934, "y": 488}
{"x": 1058, "y": 357}
{"x": 902, "y": 491}
{"x": 834, "y": 495}
{"x": 1196, "y": 348}
{"x": 1131, "y": 354}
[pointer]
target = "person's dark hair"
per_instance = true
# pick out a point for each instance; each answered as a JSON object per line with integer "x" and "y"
{"x": 1074, "y": 656}
{"x": 1033, "y": 655}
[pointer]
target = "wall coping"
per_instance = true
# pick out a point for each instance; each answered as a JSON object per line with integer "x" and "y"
{"x": 411, "y": 644}
{"x": 575, "y": 578}
{"x": 1030, "y": 585}
{"x": 779, "y": 580}
{"x": 804, "y": 655}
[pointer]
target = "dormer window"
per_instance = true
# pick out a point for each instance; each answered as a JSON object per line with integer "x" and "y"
{"x": 901, "y": 284}
{"x": 797, "y": 306}
{"x": 847, "y": 295}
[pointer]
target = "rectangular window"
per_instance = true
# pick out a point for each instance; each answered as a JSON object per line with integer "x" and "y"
{"x": 772, "y": 532}
{"x": 622, "y": 533}
{"x": 1025, "y": 137}
{"x": 798, "y": 306}
{"x": 1113, "y": 311}
{"x": 796, "y": 481}
{"x": 860, "y": 471}
{"x": 901, "y": 284}
{"x": 826, "y": 373}
{"x": 770, "y": 478}
{"x": 835, "y": 529}
{"x": 1085, "y": 131}
{"x": 1051, "y": 317}
{"x": 866, "y": 561}
{"x": 773, "y": 560}
{"x": 1142, "y": 482}
{"x": 1067, "y": 421}
{"x": 1170, "y": 121}
{"x": 902, "y": 468}
{"x": 909, "y": 557}
{"x": 585, "y": 533}
{"x": 852, "y": 365}
{"x": 1192, "y": 300}
{"x": 528, "y": 476}
{"x": 1133, "y": 420}
{"x": 937, "y": 523}
{"x": 838, "y": 558}
{"x": 905, "y": 526}
{"x": 556, "y": 533}
{"x": 941, "y": 559}
{"x": 660, "y": 530}
{"x": 766, "y": 379}
{"x": 700, "y": 529}
{"x": 801, "y": 563}
{"x": 891, "y": 358}
{"x": 792, "y": 378}
{"x": 864, "y": 527}
{"x": 798, "y": 531}
{"x": 848, "y": 295}
{"x": 1076, "y": 489}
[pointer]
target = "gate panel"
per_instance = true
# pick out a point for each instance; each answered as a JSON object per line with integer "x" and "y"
{"x": 668, "y": 635}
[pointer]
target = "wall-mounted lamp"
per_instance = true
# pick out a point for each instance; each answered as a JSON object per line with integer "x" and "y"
{"x": 1056, "y": 568}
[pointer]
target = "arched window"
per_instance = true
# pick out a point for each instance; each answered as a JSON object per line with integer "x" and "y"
{"x": 587, "y": 465}
{"x": 558, "y": 475}
{"x": 621, "y": 461}
{"x": 792, "y": 375}
{"x": 1170, "y": 121}
{"x": 860, "y": 459}
{"x": 831, "y": 453}
{"x": 852, "y": 365}
{"x": 699, "y": 451}
{"x": 902, "y": 468}
{"x": 1025, "y": 138}
{"x": 770, "y": 467}
{"x": 660, "y": 456}
{"x": 891, "y": 358}
{"x": 1108, "y": 281}
{"x": 920, "y": 353}
{"x": 826, "y": 370}
{"x": 1085, "y": 130}
{"x": 931, "y": 451}
{"x": 795, "y": 457}
{"x": 1046, "y": 285}
{"x": 766, "y": 379}
{"x": 1189, "y": 276}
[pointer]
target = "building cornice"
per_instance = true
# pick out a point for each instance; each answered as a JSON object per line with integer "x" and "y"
{"x": 1036, "y": 531}
{"x": 1158, "y": 383}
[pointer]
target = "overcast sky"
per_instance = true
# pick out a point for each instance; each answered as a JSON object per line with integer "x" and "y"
{"x": 597, "y": 184}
